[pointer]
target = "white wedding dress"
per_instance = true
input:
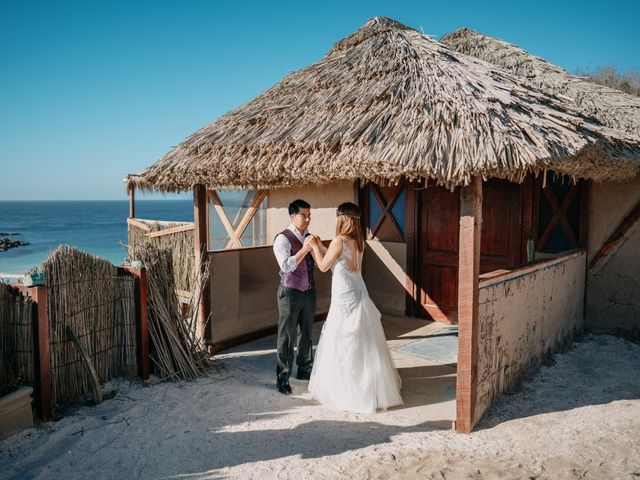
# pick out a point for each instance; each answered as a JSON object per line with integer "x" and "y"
{"x": 353, "y": 369}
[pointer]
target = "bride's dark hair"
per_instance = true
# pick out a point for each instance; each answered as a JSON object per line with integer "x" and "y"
{"x": 348, "y": 223}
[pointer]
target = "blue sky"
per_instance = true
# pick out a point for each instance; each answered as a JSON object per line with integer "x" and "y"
{"x": 90, "y": 91}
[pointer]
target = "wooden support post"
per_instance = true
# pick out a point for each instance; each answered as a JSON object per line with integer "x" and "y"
{"x": 411, "y": 219}
{"x": 132, "y": 202}
{"x": 143, "y": 326}
{"x": 201, "y": 246}
{"x": 43, "y": 351}
{"x": 468, "y": 279}
{"x": 142, "y": 320}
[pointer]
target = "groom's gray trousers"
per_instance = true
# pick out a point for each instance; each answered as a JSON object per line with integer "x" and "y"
{"x": 297, "y": 310}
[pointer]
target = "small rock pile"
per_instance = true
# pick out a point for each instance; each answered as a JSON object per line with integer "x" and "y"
{"x": 6, "y": 243}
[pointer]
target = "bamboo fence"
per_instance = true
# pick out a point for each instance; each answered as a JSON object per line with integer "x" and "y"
{"x": 17, "y": 362}
{"x": 86, "y": 293}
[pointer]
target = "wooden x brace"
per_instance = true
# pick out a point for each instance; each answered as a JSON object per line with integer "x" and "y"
{"x": 236, "y": 235}
{"x": 560, "y": 215}
{"x": 386, "y": 210}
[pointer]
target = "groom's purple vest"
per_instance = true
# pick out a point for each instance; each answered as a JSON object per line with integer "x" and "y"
{"x": 302, "y": 277}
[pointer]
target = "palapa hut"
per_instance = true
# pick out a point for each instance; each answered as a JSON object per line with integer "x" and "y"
{"x": 474, "y": 185}
{"x": 613, "y": 242}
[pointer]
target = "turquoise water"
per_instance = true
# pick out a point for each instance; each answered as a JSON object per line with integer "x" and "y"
{"x": 97, "y": 227}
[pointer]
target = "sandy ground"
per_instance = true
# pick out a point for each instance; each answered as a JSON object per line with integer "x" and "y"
{"x": 576, "y": 419}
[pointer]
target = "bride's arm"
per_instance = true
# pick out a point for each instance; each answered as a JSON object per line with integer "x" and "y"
{"x": 323, "y": 249}
{"x": 325, "y": 260}
{"x": 321, "y": 246}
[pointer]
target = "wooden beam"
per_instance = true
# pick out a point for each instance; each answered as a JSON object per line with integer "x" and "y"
{"x": 132, "y": 202}
{"x": 234, "y": 242}
{"x": 138, "y": 224}
{"x": 560, "y": 215}
{"x": 43, "y": 362}
{"x": 583, "y": 220}
{"x": 411, "y": 231}
{"x": 201, "y": 246}
{"x": 527, "y": 216}
{"x": 468, "y": 280}
{"x": 169, "y": 231}
{"x": 386, "y": 209}
{"x": 615, "y": 240}
{"x": 246, "y": 219}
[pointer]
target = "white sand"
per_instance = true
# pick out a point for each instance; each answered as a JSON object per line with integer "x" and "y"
{"x": 579, "y": 418}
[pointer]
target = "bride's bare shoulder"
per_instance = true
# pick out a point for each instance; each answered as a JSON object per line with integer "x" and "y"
{"x": 338, "y": 241}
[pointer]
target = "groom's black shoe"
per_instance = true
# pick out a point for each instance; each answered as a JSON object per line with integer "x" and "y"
{"x": 284, "y": 387}
{"x": 303, "y": 375}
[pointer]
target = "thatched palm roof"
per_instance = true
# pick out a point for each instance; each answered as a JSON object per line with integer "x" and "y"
{"x": 386, "y": 102}
{"x": 611, "y": 107}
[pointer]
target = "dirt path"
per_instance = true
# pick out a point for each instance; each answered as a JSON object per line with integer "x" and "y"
{"x": 576, "y": 419}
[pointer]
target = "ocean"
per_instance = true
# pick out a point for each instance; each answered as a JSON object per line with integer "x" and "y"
{"x": 97, "y": 227}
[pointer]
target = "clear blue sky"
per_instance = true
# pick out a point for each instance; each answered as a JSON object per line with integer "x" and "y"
{"x": 90, "y": 91}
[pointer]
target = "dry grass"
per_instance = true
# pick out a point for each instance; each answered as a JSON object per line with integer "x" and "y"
{"x": 388, "y": 102}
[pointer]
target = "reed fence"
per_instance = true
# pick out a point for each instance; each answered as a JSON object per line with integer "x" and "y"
{"x": 85, "y": 327}
{"x": 17, "y": 362}
{"x": 90, "y": 296}
{"x": 93, "y": 321}
{"x": 178, "y": 237}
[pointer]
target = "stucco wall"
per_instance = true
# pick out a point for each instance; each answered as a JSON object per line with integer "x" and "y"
{"x": 613, "y": 286}
{"x": 613, "y": 290}
{"x": 384, "y": 270}
{"x": 243, "y": 292}
{"x": 609, "y": 203}
{"x": 323, "y": 199}
{"x": 524, "y": 316}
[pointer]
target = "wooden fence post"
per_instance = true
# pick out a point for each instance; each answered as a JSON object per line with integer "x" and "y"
{"x": 143, "y": 326}
{"x": 44, "y": 378}
{"x": 142, "y": 320}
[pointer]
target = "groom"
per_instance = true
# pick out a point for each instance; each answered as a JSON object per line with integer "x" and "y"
{"x": 296, "y": 295}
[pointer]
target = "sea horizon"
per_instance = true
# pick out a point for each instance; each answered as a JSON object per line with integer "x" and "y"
{"x": 95, "y": 226}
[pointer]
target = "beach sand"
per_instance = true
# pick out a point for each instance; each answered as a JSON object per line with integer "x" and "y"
{"x": 577, "y": 418}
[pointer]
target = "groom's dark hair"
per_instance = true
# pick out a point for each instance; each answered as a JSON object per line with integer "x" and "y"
{"x": 296, "y": 205}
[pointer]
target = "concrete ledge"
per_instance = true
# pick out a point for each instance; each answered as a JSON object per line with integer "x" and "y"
{"x": 487, "y": 279}
{"x": 15, "y": 412}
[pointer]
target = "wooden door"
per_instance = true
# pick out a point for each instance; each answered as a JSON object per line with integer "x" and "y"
{"x": 437, "y": 242}
{"x": 501, "y": 237}
{"x": 439, "y": 213}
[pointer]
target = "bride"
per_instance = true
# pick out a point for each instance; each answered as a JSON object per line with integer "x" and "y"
{"x": 353, "y": 369}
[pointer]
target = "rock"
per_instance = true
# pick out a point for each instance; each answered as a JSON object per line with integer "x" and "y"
{"x": 6, "y": 243}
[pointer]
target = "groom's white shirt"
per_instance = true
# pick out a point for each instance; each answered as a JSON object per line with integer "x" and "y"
{"x": 282, "y": 249}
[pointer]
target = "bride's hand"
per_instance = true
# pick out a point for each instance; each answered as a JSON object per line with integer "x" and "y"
{"x": 309, "y": 242}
